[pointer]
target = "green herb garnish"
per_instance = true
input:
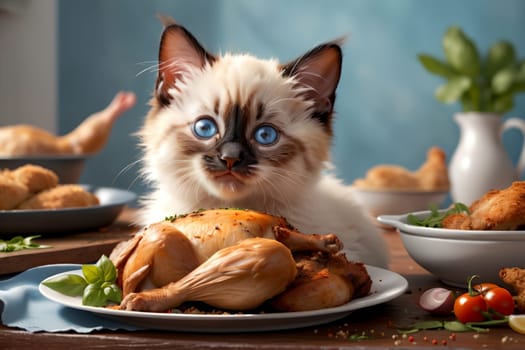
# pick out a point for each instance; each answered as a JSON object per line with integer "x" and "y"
{"x": 97, "y": 285}
{"x": 174, "y": 217}
{"x": 453, "y": 326}
{"x": 436, "y": 218}
{"x": 20, "y": 243}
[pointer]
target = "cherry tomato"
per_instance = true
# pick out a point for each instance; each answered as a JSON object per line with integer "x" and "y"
{"x": 484, "y": 300}
{"x": 499, "y": 300}
{"x": 485, "y": 286}
{"x": 470, "y": 308}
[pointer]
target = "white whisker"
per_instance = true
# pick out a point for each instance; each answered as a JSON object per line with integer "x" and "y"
{"x": 153, "y": 67}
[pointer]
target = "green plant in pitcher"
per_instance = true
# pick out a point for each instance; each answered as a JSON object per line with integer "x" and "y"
{"x": 481, "y": 83}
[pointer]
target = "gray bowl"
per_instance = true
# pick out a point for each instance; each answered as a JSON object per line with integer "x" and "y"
{"x": 67, "y": 167}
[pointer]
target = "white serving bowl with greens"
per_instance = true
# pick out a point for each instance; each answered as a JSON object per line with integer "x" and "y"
{"x": 455, "y": 255}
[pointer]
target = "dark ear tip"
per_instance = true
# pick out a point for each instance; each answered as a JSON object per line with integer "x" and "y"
{"x": 174, "y": 27}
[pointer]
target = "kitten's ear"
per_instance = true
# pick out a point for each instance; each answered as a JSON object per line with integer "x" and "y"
{"x": 318, "y": 71}
{"x": 179, "y": 53}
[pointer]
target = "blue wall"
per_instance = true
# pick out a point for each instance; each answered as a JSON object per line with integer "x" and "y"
{"x": 386, "y": 112}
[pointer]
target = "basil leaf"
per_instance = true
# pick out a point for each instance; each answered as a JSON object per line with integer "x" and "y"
{"x": 456, "y": 326}
{"x": 422, "y": 325}
{"x": 107, "y": 269}
{"x": 431, "y": 324}
{"x": 92, "y": 273}
{"x": 113, "y": 293}
{"x": 71, "y": 285}
{"x": 93, "y": 295}
{"x": 97, "y": 286}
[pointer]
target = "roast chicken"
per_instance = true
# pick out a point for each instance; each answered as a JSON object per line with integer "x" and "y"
{"x": 432, "y": 175}
{"x": 88, "y": 137}
{"x": 235, "y": 259}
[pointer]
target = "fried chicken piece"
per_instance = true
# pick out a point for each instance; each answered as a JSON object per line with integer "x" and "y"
{"x": 18, "y": 185}
{"x": 12, "y": 192}
{"x": 35, "y": 178}
{"x": 496, "y": 210}
{"x": 89, "y": 136}
{"x": 431, "y": 176}
{"x": 515, "y": 277}
{"x": 62, "y": 196}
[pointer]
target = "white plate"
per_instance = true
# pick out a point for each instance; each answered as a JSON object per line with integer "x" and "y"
{"x": 112, "y": 201}
{"x": 386, "y": 285}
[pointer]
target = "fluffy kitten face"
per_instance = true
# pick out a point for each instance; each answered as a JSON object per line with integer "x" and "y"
{"x": 236, "y": 127}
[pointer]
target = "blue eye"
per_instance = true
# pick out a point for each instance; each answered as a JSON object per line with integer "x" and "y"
{"x": 266, "y": 135}
{"x": 205, "y": 128}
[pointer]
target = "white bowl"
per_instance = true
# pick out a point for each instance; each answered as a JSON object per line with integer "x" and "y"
{"x": 67, "y": 167}
{"x": 381, "y": 201}
{"x": 455, "y": 255}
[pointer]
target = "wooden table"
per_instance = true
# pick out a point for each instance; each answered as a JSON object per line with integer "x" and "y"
{"x": 376, "y": 324}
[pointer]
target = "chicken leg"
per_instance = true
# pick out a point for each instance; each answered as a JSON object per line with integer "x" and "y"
{"x": 89, "y": 136}
{"x": 239, "y": 277}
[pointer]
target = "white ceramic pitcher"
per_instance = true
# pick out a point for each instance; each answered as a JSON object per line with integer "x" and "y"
{"x": 480, "y": 162}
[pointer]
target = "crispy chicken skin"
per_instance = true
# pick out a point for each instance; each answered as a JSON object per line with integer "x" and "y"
{"x": 515, "y": 277}
{"x": 12, "y": 193}
{"x": 35, "y": 178}
{"x": 20, "y": 184}
{"x": 59, "y": 197}
{"x": 235, "y": 259}
{"x": 431, "y": 176}
{"x": 496, "y": 210}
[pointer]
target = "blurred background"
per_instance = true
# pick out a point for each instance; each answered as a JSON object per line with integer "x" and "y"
{"x": 61, "y": 61}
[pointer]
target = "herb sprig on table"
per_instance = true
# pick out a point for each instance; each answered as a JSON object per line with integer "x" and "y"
{"x": 97, "y": 286}
{"x": 435, "y": 218}
{"x": 19, "y": 243}
{"x": 453, "y": 325}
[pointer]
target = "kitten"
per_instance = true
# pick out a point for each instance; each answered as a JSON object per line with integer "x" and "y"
{"x": 238, "y": 131}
